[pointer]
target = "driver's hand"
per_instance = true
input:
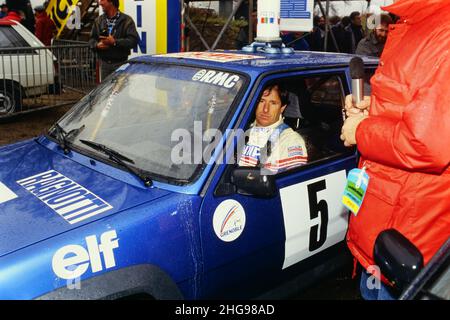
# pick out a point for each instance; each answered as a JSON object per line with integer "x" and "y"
{"x": 359, "y": 109}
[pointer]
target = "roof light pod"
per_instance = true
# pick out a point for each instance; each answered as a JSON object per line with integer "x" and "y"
{"x": 268, "y": 30}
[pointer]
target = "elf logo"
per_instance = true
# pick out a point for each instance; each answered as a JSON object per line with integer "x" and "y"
{"x": 72, "y": 261}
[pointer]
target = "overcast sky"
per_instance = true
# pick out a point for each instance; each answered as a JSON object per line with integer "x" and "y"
{"x": 34, "y": 3}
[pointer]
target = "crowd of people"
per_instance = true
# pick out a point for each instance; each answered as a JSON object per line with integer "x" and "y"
{"x": 354, "y": 34}
{"x": 37, "y": 22}
{"x": 345, "y": 35}
{"x": 348, "y": 35}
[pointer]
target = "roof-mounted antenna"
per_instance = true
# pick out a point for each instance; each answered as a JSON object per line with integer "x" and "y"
{"x": 268, "y": 30}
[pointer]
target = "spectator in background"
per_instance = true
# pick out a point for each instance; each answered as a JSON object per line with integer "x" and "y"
{"x": 29, "y": 22}
{"x": 334, "y": 20}
{"x": 345, "y": 22}
{"x": 45, "y": 27}
{"x": 317, "y": 35}
{"x": 373, "y": 44}
{"x": 3, "y": 11}
{"x": 242, "y": 38}
{"x": 113, "y": 36}
{"x": 18, "y": 10}
{"x": 242, "y": 14}
{"x": 295, "y": 40}
{"x": 242, "y": 11}
{"x": 355, "y": 30}
{"x": 13, "y": 13}
{"x": 342, "y": 37}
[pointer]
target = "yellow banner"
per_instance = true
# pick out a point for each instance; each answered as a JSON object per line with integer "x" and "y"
{"x": 151, "y": 18}
{"x": 161, "y": 26}
{"x": 59, "y": 11}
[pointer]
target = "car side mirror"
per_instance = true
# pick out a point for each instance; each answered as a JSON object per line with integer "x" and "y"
{"x": 399, "y": 260}
{"x": 249, "y": 181}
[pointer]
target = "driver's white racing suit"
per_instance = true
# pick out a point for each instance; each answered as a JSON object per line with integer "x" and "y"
{"x": 276, "y": 148}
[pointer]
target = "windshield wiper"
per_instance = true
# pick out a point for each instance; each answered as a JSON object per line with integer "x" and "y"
{"x": 119, "y": 159}
{"x": 63, "y": 137}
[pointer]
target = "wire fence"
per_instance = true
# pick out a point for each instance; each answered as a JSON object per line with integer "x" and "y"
{"x": 37, "y": 78}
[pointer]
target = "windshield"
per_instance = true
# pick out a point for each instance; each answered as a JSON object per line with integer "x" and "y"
{"x": 143, "y": 111}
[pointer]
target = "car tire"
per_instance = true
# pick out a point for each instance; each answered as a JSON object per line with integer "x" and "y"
{"x": 10, "y": 98}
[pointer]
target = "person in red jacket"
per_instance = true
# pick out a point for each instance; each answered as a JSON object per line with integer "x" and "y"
{"x": 403, "y": 141}
{"x": 13, "y": 15}
{"x": 45, "y": 27}
{"x": 20, "y": 11}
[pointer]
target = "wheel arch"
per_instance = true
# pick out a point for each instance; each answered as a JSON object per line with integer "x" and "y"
{"x": 148, "y": 280}
{"x": 11, "y": 82}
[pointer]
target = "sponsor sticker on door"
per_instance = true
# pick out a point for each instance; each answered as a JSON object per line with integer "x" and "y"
{"x": 229, "y": 220}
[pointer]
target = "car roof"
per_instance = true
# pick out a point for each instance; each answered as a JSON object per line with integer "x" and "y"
{"x": 257, "y": 62}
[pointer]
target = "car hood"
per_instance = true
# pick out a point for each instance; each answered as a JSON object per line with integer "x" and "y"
{"x": 43, "y": 194}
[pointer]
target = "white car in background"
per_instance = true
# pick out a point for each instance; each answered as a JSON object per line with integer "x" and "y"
{"x": 24, "y": 72}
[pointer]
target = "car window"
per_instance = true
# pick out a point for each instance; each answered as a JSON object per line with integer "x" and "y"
{"x": 321, "y": 100}
{"x": 160, "y": 116}
{"x": 9, "y": 38}
{"x": 325, "y": 90}
{"x": 315, "y": 112}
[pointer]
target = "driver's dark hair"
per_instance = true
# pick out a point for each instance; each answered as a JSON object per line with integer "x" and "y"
{"x": 282, "y": 92}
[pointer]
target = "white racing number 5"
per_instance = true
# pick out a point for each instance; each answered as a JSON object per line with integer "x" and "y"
{"x": 314, "y": 217}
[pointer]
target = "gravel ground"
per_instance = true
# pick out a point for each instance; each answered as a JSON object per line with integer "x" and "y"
{"x": 29, "y": 125}
{"x": 337, "y": 287}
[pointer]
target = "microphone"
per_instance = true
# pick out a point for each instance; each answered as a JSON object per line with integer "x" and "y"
{"x": 357, "y": 74}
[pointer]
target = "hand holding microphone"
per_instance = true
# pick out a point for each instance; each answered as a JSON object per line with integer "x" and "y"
{"x": 361, "y": 108}
{"x": 357, "y": 103}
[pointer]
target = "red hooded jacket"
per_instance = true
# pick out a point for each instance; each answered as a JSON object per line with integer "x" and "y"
{"x": 405, "y": 142}
{"x": 45, "y": 28}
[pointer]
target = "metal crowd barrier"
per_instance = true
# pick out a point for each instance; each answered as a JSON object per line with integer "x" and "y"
{"x": 38, "y": 78}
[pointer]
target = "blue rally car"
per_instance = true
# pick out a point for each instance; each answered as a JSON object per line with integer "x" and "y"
{"x": 114, "y": 203}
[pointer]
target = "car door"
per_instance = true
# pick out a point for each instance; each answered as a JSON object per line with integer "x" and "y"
{"x": 248, "y": 242}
